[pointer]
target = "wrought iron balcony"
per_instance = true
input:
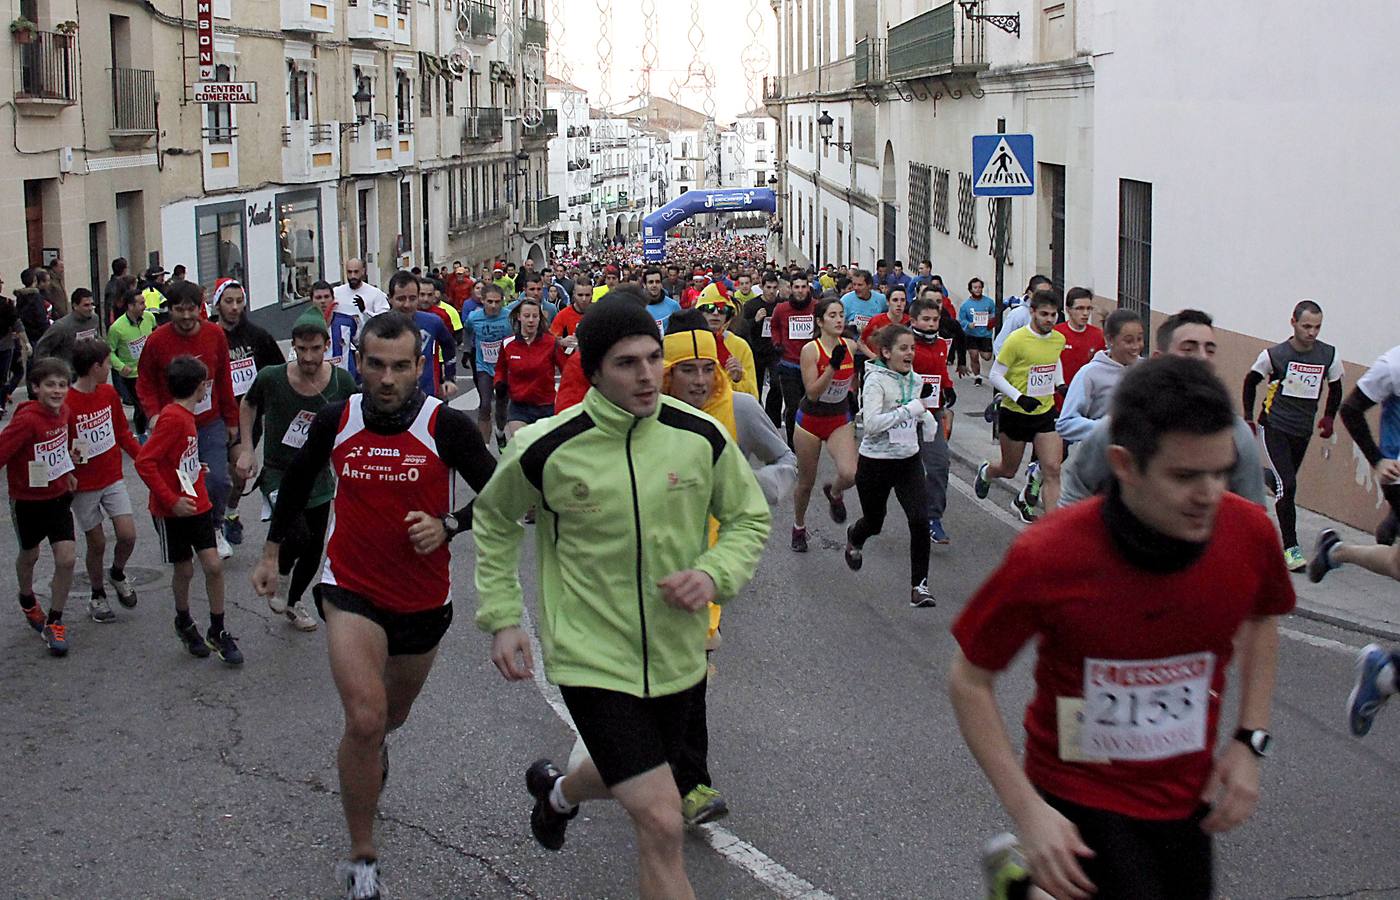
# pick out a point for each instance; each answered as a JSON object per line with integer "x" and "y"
{"x": 931, "y": 44}
{"x": 542, "y": 213}
{"x": 479, "y": 17}
{"x": 536, "y": 32}
{"x": 45, "y": 72}
{"x": 547, "y": 128}
{"x": 483, "y": 124}
{"x": 133, "y": 100}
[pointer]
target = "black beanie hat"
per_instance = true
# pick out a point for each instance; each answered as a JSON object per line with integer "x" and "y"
{"x": 608, "y": 321}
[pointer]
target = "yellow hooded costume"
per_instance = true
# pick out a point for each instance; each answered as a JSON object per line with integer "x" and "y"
{"x": 733, "y": 344}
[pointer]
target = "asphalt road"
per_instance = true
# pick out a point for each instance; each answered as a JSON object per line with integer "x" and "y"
{"x": 137, "y": 771}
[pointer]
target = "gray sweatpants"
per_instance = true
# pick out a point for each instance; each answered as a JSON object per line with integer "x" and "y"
{"x": 934, "y": 454}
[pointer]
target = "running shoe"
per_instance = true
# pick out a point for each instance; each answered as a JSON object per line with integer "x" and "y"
{"x": 1321, "y": 562}
{"x": 100, "y": 612}
{"x": 936, "y": 532}
{"x": 222, "y": 545}
{"x": 1023, "y": 512}
{"x": 233, "y": 529}
{"x": 1366, "y": 697}
{"x": 1293, "y": 558}
{"x": 126, "y": 594}
{"x": 980, "y": 484}
{"x": 977, "y": 380}
{"x": 989, "y": 415}
{"x": 301, "y": 617}
{"x": 34, "y": 615}
{"x": 1033, "y": 484}
{"x": 501, "y": 441}
{"x": 56, "y": 636}
{"x": 226, "y": 647}
{"x": 1004, "y": 867}
{"x": 836, "y": 503}
{"x": 703, "y": 804}
{"x": 278, "y": 601}
{"x": 853, "y": 553}
{"x": 192, "y": 639}
{"x": 545, "y": 822}
{"x": 919, "y": 596}
{"x": 360, "y": 877}
{"x": 799, "y": 540}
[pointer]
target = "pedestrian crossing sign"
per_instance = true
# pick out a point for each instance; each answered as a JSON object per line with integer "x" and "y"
{"x": 1003, "y": 165}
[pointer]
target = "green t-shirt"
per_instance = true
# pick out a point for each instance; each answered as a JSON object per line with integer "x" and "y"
{"x": 287, "y": 419}
{"x": 127, "y": 340}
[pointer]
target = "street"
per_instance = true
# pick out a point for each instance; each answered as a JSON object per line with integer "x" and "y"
{"x": 137, "y": 771}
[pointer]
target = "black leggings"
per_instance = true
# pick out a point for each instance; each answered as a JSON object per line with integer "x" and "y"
{"x": 790, "y": 382}
{"x": 875, "y": 478}
{"x": 1286, "y": 455}
{"x": 300, "y": 553}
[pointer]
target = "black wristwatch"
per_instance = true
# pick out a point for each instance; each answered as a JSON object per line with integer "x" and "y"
{"x": 1259, "y": 741}
{"x": 450, "y": 523}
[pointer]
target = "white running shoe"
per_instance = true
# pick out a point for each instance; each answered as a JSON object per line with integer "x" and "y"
{"x": 360, "y": 878}
{"x": 222, "y": 545}
{"x": 301, "y": 617}
{"x": 278, "y": 601}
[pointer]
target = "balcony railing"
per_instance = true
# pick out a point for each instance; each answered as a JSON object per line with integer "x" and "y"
{"x": 133, "y": 99}
{"x": 547, "y": 128}
{"x": 219, "y": 134}
{"x": 536, "y": 32}
{"x": 318, "y": 133}
{"x": 773, "y": 85}
{"x": 405, "y": 127}
{"x": 401, "y": 7}
{"x": 579, "y": 131}
{"x": 932, "y": 43}
{"x": 480, "y": 17}
{"x": 483, "y": 123}
{"x": 44, "y": 69}
{"x": 383, "y": 130}
{"x": 542, "y": 212}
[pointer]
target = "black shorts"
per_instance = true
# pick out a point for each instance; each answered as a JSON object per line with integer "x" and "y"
{"x": 528, "y": 413}
{"x": 981, "y": 344}
{"x": 1142, "y": 859}
{"x": 409, "y": 634}
{"x": 37, "y": 521}
{"x": 181, "y": 537}
{"x": 1018, "y": 426}
{"x": 627, "y": 736}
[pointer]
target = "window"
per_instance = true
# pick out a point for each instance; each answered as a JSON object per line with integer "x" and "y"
{"x": 218, "y": 117}
{"x": 811, "y": 142}
{"x": 298, "y": 93}
{"x": 405, "y": 215}
{"x": 920, "y": 212}
{"x": 403, "y": 97}
{"x": 840, "y": 140}
{"x": 940, "y": 201}
{"x": 220, "y": 238}
{"x": 299, "y": 263}
{"x": 448, "y": 100}
{"x": 760, "y": 130}
{"x": 454, "y": 206}
{"x": 1135, "y": 246}
{"x": 967, "y": 211}
{"x": 425, "y": 96}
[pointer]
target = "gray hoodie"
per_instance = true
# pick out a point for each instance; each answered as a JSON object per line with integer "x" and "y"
{"x": 1088, "y": 397}
{"x": 64, "y": 334}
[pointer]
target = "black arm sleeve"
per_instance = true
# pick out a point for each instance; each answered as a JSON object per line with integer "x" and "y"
{"x": 1252, "y": 380}
{"x": 266, "y": 352}
{"x": 1334, "y": 398}
{"x": 1354, "y": 420}
{"x": 300, "y": 476}
{"x": 953, "y": 329}
{"x": 459, "y": 445}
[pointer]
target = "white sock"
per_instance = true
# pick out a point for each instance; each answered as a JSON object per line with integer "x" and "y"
{"x": 556, "y": 797}
{"x": 1385, "y": 679}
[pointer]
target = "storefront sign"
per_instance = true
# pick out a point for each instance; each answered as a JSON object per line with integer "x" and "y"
{"x": 259, "y": 216}
{"x": 204, "y": 32}
{"x": 226, "y": 92}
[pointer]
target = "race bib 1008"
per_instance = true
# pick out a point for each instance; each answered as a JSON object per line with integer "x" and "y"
{"x": 1040, "y": 381}
{"x": 1146, "y": 709}
{"x": 1303, "y": 381}
{"x": 801, "y": 328}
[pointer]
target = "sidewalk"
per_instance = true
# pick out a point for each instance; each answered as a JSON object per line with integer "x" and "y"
{"x": 1350, "y": 597}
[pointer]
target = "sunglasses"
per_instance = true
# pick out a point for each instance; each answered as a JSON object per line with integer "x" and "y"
{"x": 713, "y": 308}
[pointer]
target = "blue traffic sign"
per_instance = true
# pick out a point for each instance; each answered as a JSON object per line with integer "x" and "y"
{"x": 1003, "y": 165}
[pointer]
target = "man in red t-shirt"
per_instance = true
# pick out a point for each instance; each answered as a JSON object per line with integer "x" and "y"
{"x": 459, "y": 285}
{"x": 1137, "y": 602}
{"x": 1082, "y": 340}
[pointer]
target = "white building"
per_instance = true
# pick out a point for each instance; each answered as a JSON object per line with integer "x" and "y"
{"x": 571, "y": 161}
{"x": 748, "y": 150}
{"x": 1164, "y": 179}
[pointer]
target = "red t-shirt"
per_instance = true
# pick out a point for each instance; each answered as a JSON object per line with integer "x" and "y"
{"x": 573, "y": 384}
{"x": 1150, "y": 648}
{"x": 792, "y": 329}
{"x": 1080, "y": 347}
{"x": 35, "y": 434}
{"x": 875, "y": 324}
{"x": 459, "y": 288}
{"x": 103, "y": 433}
{"x": 527, "y": 369}
{"x": 172, "y": 449}
{"x": 211, "y": 347}
{"x": 565, "y": 321}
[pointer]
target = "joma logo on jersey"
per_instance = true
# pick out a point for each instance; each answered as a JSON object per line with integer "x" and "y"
{"x": 383, "y": 451}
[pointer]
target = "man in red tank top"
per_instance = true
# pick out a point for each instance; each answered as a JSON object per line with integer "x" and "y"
{"x": 385, "y": 591}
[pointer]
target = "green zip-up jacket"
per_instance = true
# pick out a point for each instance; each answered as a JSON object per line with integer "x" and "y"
{"x": 122, "y": 335}
{"x": 622, "y": 503}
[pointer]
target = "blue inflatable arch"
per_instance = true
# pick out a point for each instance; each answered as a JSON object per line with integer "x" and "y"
{"x": 696, "y": 203}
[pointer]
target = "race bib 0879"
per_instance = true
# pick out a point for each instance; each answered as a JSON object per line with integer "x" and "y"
{"x": 1040, "y": 381}
{"x": 1146, "y": 709}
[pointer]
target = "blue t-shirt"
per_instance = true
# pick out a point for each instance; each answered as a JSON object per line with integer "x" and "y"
{"x": 343, "y": 329}
{"x": 969, "y": 306}
{"x": 859, "y": 312}
{"x": 435, "y": 336}
{"x": 662, "y": 310}
{"x": 488, "y": 334}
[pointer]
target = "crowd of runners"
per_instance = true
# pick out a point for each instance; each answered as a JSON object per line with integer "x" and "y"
{"x": 710, "y": 385}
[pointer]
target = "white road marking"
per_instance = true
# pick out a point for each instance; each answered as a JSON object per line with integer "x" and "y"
{"x": 1316, "y": 641}
{"x": 764, "y": 869}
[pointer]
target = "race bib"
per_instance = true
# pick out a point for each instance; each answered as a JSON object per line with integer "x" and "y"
{"x": 860, "y": 322}
{"x": 490, "y": 352}
{"x": 981, "y": 319}
{"x": 1040, "y": 381}
{"x": 96, "y": 435}
{"x": 137, "y": 346}
{"x": 905, "y": 434}
{"x": 837, "y": 390}
{"x": 1145, "y": 709}
{"x": 801, "y": 328}
{"x": 242, "y": 372}
{"x": 188, "y": 470}
{"x": 298, "y": 430}
{"x": 767, "y": 330}
{"x": 51, "y": 460}
{"x": 932, "y": 400}
{"x": 1303, "y": 381}
{"x": 207, "y": 402}
{"x": 85, "y": 334}
{"x": 661, "y": 326}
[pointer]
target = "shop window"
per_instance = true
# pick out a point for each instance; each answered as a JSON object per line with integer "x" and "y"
{"x": 221, "y": 236}
{"x": 299, "y": 245}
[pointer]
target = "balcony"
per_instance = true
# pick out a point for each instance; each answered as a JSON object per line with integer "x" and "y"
{"x": 869, "y": 61}
{"x": 372, "y": 147}
{"x": 938, "y": 42}
{"x": 480, "y": 18}
{"x": 536, "y": 32}
{"x": 541, "y": 213}
{"x": 45, "y": 74}
{"x": 310, "y": 152}
{"x": 482, "y": 125}
{"x": 773, "y": 85}
{"x": 403, "y": 144}
{"x": 369, "y": 20}
{"x": 316, "y": 16}
{"x": 133, "y": 107}
{"x": 546, "y": 129}
{"x": 579, "y": 131}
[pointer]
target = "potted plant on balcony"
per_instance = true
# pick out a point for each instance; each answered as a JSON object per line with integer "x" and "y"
{"x": 69, "y": 28}
{"x": 24, "y": 30}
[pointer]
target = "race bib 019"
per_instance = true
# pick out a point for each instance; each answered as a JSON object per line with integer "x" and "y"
{"x": 1145, "y": 709}
{"x": 242, "y": 372}
{"x": 1040, "y": 381}
{"x": 298, "y": 430}
{"x": 1303, "y": 381}
{"x": 801, "y": 328}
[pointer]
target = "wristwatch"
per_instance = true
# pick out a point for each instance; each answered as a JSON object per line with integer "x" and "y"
{"x": 1259, "y": 741}
{"x": 450, "y": 523}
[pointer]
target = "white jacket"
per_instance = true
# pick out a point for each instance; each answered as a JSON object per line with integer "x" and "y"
{"x": 888, "y": 401}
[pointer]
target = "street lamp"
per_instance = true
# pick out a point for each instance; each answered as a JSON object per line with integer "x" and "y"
{"x": 362, "y": 98}
{"x": 824, "y": 123}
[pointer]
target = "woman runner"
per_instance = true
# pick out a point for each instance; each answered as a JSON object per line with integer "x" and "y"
{"x": 824, "y": 417}
{"x": 525, "y": 372}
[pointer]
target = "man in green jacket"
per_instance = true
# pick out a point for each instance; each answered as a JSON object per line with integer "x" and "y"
{"x": 625, "y": 576}
{"x": 127, "y": 336}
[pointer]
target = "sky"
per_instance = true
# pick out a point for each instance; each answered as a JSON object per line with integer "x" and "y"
{"x": 726, "y": 36}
